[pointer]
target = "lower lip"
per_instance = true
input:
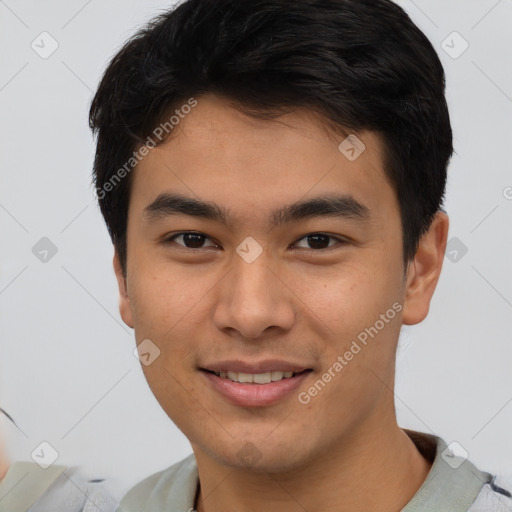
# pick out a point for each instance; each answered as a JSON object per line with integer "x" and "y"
{"x": 255, "y": 395}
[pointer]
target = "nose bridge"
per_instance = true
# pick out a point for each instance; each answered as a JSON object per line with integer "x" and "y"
{"x": 253, "y": 299}
{"x": 253, "y": 279}
{"x": 253, "y": 283}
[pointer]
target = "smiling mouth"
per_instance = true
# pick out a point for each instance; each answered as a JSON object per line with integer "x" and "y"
{"x": 256, "y": 378}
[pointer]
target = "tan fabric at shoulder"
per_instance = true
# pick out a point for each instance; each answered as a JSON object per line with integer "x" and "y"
{"x": 24, "y": 484}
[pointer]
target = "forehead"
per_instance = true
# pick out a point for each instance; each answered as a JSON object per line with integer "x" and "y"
{"x": 251, "y": 165}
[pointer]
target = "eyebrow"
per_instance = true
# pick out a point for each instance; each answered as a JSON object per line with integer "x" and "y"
{"x": 340, "y": 206}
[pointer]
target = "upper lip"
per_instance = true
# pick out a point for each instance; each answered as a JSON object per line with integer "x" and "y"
{"x": 268, "y": 365}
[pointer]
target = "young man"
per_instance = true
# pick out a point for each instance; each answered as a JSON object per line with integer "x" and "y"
{"x": 272, "y": 175}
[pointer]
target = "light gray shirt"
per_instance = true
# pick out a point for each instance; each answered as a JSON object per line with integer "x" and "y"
{"x": 452, "y": 485}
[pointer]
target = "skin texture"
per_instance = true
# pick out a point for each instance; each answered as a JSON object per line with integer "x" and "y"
{"x": 294, "y": 303}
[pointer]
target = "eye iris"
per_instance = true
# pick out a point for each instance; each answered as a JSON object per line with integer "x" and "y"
{"x": 193, "y": 240}
{"x": 318, "y": 241}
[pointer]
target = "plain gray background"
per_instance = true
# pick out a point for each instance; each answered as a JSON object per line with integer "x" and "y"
{"x": 67, "y": 372}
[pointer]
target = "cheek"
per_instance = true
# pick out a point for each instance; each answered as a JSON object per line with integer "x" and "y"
{"x": 168, "y": 386}
{"x": 340, "y": 296}
{"x": 161, "y": 294}
{"x": 170, "y": 308}
{"x": 351, "y": 304}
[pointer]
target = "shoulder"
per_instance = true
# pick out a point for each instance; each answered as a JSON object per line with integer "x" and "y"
{"x": 28, "y": 486}
{"x": 175, "y": 485}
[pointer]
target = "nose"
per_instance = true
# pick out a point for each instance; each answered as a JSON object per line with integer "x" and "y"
{"x": 254, "y": 300}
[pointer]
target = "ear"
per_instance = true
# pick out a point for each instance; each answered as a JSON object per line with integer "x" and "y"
{"x": 424, "y": 271}
{"x": 125, "y": 307}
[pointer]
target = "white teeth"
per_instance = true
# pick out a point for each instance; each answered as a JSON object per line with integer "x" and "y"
{"x": 262, "y": 378}
{"x": 277, "y": 375}
{"x": 245, "y": 377}
{"x": 256, "y": 378}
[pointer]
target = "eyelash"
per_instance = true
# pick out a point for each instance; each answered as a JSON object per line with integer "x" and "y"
{"x": 171, "y": 239}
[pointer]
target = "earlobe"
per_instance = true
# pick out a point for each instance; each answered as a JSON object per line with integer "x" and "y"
{"x": 424, "y": 271}
{"x": 125, "y": 308}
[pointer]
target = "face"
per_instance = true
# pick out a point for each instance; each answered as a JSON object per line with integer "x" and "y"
{"x": 288, "y": 268}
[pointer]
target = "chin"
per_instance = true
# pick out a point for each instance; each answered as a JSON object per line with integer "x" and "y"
{"x": 260, "y": 456}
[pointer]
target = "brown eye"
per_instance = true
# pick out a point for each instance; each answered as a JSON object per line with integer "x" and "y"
{"x": 318, "y": 241}
{"x": 191, "y": 240}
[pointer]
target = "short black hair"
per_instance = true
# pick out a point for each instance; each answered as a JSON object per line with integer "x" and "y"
{"x": 361, "y": 64}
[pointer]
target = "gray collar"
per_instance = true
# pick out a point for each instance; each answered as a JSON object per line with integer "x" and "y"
{"x": 452, "y": 483}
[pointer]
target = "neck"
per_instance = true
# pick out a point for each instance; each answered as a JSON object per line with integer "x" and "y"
{"x": 378, "y": 470}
